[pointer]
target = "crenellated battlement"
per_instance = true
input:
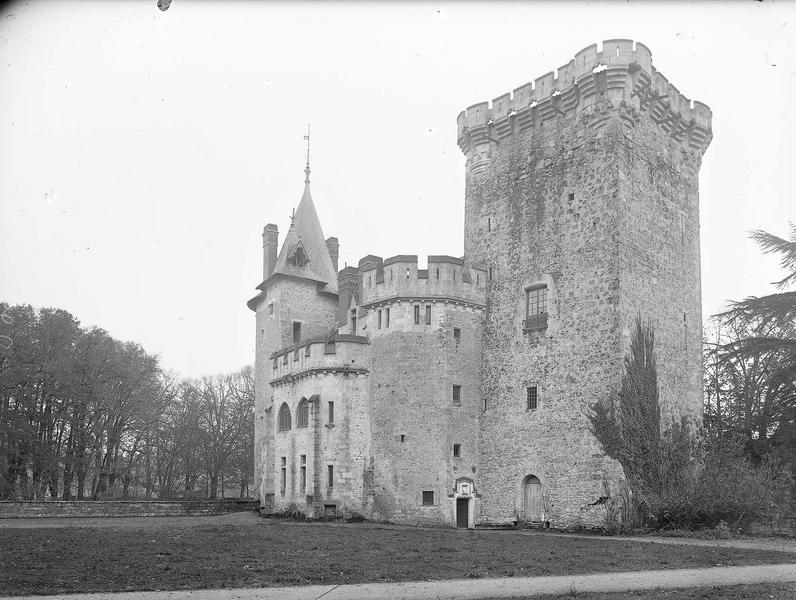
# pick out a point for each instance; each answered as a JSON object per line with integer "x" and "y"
{"x": 446, "y": 278}
{"x": 621, "y": 71}
{"x": 329, "y": 354}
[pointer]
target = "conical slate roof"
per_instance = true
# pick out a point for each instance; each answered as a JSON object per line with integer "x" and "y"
{"x": 306, "y": 232}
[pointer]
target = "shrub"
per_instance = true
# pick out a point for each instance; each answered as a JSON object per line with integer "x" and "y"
{"x": 677, "y": 479}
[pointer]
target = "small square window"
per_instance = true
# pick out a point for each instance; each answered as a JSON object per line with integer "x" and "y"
{"x": 457, "y": 450}
{"x": 329, "y": 348}
{"x": 457, "y": 334}
{"x": 457, "y": 394}
{"x": 532, "y": 397}
{"x": 428, "y": 498}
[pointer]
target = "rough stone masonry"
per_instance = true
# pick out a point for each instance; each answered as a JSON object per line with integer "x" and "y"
{"x": 456, "y": 394}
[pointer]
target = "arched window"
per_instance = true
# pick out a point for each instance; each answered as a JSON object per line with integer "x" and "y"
{"x": 302, "y": 414}
{"x": 284, "y": 418}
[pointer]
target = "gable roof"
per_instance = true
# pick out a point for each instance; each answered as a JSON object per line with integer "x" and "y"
{"x": 306, "y": 231}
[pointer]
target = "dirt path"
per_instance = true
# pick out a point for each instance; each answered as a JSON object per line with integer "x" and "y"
{"x": 478, "y": 589}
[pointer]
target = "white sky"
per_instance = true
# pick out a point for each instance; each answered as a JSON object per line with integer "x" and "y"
{"x": 142, "y": 152}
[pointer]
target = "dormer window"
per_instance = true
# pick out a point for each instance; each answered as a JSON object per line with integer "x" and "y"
{"x": 299, "y": 258}
{"x": 535, "y": 308}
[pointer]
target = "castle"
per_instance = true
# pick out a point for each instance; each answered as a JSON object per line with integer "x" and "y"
{"x": 455, "y": 394}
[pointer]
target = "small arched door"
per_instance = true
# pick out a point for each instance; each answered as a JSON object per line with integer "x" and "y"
{"x": 532, "y": 498}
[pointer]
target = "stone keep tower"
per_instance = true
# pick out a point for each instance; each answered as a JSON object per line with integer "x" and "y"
{"x": 582, "y": 202}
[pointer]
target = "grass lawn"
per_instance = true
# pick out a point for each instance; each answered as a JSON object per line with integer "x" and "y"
{"x": 262, "y": 552}
{"x": 760, "y": 591}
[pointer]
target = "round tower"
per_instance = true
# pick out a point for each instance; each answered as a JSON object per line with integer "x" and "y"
{"x": 425, "y": 329}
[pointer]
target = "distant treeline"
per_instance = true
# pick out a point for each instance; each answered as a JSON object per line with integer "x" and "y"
{"x": 86, "y": 416}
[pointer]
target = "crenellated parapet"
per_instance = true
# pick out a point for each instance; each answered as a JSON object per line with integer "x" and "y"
{"x": 447, "y": 278}
{"x": 621, "y": 71}
{"x": 336, "y": 353}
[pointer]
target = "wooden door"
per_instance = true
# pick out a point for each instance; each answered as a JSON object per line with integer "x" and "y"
{"x": 462, "y": 512}
{"x": 533, "y": 499}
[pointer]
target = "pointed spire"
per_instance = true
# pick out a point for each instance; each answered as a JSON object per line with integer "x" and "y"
{"x": 307, "y": 168}
{"x": 305, "y": 233}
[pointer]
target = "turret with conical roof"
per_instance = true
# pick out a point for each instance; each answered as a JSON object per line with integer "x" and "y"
{"x": 298, "y": 300}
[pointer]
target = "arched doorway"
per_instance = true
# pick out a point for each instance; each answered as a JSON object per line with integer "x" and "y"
{"x": 532, "y": 498}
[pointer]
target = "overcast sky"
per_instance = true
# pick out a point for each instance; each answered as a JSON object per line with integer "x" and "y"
{"x": 142, "y": 152}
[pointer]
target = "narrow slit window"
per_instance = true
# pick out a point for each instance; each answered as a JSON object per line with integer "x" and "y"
{"x": 457, "y": 450}
{"x": 417, "y": 314}
{"x": 428, "y": 314}
{"x": 457, "y": 395}
{"x": 330, "y": 476}
{"x": 296, "y": 332}
{"x": 387, "y": 318}
{"x": 378, "y": 319}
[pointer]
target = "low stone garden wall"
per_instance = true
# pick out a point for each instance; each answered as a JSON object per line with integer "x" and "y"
{"x": 780, "y": 525}
{"x": 122, "y": 508}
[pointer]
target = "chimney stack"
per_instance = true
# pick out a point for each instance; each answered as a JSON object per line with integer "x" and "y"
{"x": 270, "y": 248}
{"x": 334, "y": 250}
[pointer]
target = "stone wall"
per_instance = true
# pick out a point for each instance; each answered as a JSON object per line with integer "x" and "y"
{"x": 120, "y": 508}
{"x": 415, "y": 422}
{"x": 541, "y": 214}
{"x": 657, "y": 204}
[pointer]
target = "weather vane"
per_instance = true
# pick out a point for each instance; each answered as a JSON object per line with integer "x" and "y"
{"x": 307, "y": 168}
